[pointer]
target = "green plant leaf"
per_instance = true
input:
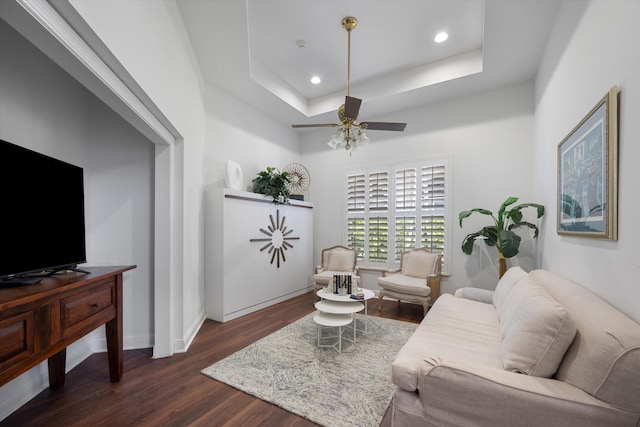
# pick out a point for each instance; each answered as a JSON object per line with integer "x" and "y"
{"x": 515, "y": 215}
{"x": 526, "y": 224}
{"x": 509, "y": 243}
{"x": 273, "y": 183}
{"x": 539, "y": 208}
{"x": 467, "y": 243}
{"x": 503, "y": 206}
{"x": 465, "y": 214}
{"x": 489, "y": 233}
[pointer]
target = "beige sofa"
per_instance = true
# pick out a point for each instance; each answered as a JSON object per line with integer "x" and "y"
{"x": 540, "y": 350}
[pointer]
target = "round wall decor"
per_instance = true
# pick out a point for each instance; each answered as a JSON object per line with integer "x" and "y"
{"x": 299, "y": 178}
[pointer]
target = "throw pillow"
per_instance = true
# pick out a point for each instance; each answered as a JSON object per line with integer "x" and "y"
{"x": 340, "y": 261}
{"x": 536, "y": 331}
{"x": 419, "y": 264}
{"x": 504, "y": 286}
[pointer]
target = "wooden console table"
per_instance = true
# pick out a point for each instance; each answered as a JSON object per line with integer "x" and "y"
{"x": 39, "y": 321}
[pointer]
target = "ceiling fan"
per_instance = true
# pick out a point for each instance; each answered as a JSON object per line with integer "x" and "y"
{"x": 351, "y": 134}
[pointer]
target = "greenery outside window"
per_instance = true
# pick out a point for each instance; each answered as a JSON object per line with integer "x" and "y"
{"x": 397, "y": 207}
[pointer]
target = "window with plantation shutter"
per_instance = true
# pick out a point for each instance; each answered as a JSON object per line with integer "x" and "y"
{"x": 432, "y": 227}
{"x": 405, "y": 196}
{"x": 405, "y": 189}
{"x": 397, "y": 207}
{"x": 356, "y": 188}
{"x": 355, "y": 235}
{"x": 378, "y": 191}
{"x": 378, "y": 238}
{"x": 355, "y": 193}
{"x": 405, "y": 235}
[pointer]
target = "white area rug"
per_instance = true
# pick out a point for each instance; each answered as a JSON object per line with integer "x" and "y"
{"x": 287, "y": 369}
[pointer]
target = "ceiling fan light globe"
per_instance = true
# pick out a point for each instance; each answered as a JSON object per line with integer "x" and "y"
{"x": 336, "y": 140}
{"x": 363, "y": 139}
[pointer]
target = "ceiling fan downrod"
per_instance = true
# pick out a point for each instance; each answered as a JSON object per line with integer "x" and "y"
{"x": 349, "y": 23}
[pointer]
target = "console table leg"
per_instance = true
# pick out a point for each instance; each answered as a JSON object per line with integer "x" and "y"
{"x": 114, "y": 352}
{"x": 57, "y": 364}
{"x": 113, "y": 330}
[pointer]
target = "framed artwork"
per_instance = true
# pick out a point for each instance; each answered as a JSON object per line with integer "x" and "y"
{"x": 588, "y": 174}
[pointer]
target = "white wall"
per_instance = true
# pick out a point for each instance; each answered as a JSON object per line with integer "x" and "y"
{"x": 120, "y": 214}
{"x": 149, "y": 40}
{"x": 592, "y": 48}
{"x": 237, "y": 131}
{"x": 489, "y": 140}
{"x": 44, "y": 109}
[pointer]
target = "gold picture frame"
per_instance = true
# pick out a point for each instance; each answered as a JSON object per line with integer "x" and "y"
{"x": 588, "y": 174}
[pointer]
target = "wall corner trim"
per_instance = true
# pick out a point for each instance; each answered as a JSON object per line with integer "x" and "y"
{"x": 101, "y": 67}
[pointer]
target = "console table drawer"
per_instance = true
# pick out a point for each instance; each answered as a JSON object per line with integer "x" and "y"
{"x": 88, "y": 308}
{"x": 38, "y": 321}
{"x": 16, "y": 339}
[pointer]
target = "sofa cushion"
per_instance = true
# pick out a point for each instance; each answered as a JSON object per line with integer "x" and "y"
{"x": 419, "y": 264}
{"x": 454, "y": 328}
{"x": 505, "y": 284}
{"x": 340, "y": 261}
{"x": 405, "y": 284}
{"x": 536, "y": 330}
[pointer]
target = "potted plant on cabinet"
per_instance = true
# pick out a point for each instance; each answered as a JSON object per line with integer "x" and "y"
{"x": 500, "y": 234}
{"x": 271, "y": 182}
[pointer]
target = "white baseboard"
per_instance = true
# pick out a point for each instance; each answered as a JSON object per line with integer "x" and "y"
{"x": 181, "y": 346}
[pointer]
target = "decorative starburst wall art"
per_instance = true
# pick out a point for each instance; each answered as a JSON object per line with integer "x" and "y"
{"x": 277, "y": 240}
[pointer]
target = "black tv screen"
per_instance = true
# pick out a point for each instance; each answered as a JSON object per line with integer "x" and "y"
{"x": 42, "y": 226}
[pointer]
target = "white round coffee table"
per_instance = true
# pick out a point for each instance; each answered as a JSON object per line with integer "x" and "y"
{"x": 327, "y": 294}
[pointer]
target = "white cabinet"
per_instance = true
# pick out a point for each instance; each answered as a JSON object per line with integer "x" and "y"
{"x": 256, "y": 253}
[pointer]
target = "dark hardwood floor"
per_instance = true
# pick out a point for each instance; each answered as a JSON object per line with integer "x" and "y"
{"x": 172, "y": 391}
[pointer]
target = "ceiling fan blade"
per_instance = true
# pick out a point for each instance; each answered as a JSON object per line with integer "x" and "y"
{"x": 383, "y": 126}
{"x": 318, "y": 125}
{"x": 351, "y": 107}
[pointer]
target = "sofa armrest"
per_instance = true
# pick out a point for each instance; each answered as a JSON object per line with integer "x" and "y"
{"x": 444, "y": 384}
{"x": 475, "y": 294}
{"x": 318, "y": 269}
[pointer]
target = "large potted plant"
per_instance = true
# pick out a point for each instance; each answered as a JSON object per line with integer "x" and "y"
{"x": 271, "y": 182}
{"x": 500, "y": 234}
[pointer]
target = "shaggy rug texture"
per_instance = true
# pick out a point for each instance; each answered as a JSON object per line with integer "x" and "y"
{"x": 287, "y": 369}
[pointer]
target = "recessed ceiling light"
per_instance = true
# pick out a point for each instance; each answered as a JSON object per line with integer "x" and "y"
{"x": 440, "y": 37}
{"x": 315, "y": 80}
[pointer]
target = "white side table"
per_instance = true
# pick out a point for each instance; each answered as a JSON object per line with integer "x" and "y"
{"x": 334, "y": 321}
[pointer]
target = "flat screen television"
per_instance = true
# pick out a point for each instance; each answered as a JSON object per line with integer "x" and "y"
{"x": 42, "y": 221}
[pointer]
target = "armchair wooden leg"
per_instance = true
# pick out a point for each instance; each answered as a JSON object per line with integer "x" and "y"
{"x": 380, "y": 303}
{"x": 425, "y": 307}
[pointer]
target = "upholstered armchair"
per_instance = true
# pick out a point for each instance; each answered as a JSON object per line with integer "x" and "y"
{"x": 335, "y": 260}
{"x": 416, "y": 281}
